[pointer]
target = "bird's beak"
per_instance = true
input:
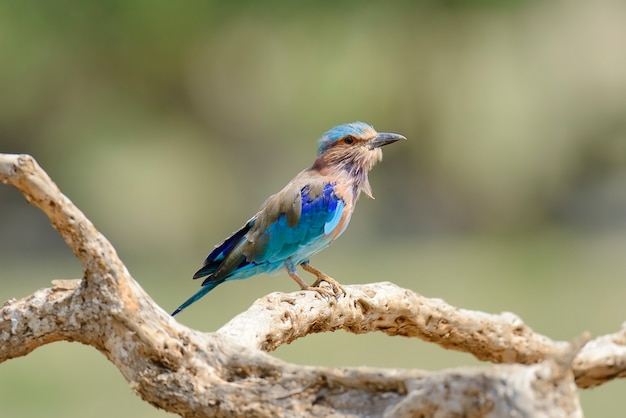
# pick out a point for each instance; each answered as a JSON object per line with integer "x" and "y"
{"x": 384, "y": 138}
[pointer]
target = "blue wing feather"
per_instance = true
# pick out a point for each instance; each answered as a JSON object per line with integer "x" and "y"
{"x": 330, "y": 226}
{"x": 319, "y": 216}
{"x": 214, "y": 260}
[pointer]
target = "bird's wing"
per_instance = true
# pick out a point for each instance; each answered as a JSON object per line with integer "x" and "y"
{"x": 227, "y": 254}
{"x": 296, "y": 224}
{"x": 300, "y": 220}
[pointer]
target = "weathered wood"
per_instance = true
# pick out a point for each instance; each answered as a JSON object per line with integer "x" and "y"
{"x": 228, "y": 373}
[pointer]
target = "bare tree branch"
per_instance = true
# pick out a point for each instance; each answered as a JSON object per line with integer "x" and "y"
{"x": 226, "y": 373}
{"x": 388, "y": 308}
{"x": 601, "y": 360}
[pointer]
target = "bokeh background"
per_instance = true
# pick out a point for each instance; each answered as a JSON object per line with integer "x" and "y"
{"x": 168, "y": 123}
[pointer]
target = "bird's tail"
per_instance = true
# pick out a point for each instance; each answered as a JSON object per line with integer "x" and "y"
{"x": 203, "y": 291}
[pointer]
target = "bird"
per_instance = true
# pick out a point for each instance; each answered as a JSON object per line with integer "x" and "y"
{"x": 305, "y": 217}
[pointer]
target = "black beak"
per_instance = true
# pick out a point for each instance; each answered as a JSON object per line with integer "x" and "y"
{"x": 384, "y": 138}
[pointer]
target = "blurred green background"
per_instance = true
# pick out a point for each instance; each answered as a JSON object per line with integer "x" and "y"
{"x": 168, "y": 123}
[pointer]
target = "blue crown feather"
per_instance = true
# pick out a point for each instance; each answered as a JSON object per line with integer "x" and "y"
{"x": 338, "y": 132}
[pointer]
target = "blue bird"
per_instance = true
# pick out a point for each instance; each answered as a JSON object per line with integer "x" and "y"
{"x": 305, "y": 217}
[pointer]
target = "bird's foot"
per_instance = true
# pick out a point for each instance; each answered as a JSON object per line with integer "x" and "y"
{"x": 335, "y": 290}
{"x": 324, "y": 291}
{"x": 322, "y": 277}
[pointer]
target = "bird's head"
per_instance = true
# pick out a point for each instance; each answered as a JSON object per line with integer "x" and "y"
{"x": 354, "y": 147}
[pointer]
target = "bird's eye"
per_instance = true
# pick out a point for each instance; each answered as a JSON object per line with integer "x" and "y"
{"x": 348, "y": 140}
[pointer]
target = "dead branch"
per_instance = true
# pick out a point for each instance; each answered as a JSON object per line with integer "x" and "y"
{"x": 387, "y": 308}
{"x": 227, "y": 373}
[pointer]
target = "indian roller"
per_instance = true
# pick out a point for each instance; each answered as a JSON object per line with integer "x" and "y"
{"x": 305, "y": 217}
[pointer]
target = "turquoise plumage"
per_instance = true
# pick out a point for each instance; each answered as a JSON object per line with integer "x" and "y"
{"x": 305, "y": 217}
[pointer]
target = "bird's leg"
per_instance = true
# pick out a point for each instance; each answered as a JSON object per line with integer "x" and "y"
{"x": 292, "y": 273}
{"x": 322, "y": 277}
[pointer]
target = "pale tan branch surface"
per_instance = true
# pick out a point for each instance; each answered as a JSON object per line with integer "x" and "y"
{"x": 195, "y": 374}
{"x": 601, "y": 360}
{"x": 280, "y": 318}
{"x": 225, "y": 374}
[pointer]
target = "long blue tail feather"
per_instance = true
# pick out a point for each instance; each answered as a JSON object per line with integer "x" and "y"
{"x": 203, "y": 291}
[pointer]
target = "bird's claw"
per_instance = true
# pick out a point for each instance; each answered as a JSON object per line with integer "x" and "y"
{"x": 335, "y": 288}
{"x": 325, "y": 292}
{"x": 336, "y": 291}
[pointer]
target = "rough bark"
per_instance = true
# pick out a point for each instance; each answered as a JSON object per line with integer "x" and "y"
{"x": 228, "y": 373}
